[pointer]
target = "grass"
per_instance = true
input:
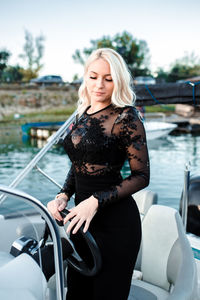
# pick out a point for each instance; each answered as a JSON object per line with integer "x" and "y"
{"x": 168, "y": 109}
{"x": 53, "y": 115}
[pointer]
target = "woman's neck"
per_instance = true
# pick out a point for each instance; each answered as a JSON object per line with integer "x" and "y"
{"x": 97, "y": 106}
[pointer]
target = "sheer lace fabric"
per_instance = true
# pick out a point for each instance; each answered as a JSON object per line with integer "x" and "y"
{"x": 98, "y": 146}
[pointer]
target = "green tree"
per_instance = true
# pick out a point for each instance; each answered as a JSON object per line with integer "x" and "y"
{"x": 4, "y": 56}
{"x": 161, "y": 75}
{"x": 12, "y": 74}
{"x": 135, "y": 52}
{"x": 32, "y": 55}
{"x": 185, "y": 67}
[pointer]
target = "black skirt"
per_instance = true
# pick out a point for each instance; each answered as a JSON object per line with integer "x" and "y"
{"x": 117, "y": 231}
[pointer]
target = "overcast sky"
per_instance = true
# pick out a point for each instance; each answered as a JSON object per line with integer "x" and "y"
{"x": 171, "y": 28}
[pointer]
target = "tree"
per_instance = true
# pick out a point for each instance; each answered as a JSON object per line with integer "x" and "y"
{"x": 185, "y": 67}
{"x": 4, "y": 56}
{"x": 161, "y": 75}
{"x": 135, "y": 52}
{"x": 33, "y": 53}
{"x": 12, "y": 74}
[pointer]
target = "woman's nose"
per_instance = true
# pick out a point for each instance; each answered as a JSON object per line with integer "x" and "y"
{"x": 99, "y": 82}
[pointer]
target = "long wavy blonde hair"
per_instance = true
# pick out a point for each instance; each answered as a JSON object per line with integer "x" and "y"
{"x": 122, "y": 94}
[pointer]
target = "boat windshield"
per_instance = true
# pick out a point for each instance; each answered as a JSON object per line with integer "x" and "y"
{"x": 21, "y": 232}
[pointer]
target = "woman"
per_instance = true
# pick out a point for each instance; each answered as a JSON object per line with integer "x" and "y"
{"x": 108, "y": 131}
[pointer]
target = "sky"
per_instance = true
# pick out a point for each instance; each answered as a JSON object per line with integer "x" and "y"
{"x": 171, "y": 29}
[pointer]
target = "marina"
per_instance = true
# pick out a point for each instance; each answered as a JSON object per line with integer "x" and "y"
{"x": 93, "y": 204}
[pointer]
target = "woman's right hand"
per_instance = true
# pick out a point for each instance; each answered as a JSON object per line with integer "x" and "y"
{"x": 57, "y": 205}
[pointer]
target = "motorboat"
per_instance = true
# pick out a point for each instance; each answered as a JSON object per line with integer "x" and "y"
{"x": 168, "y": 263}
{"x": 155, "y": 129}
{"x": 167, "y": 266}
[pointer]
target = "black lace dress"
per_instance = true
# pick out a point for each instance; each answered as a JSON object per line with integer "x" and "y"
{"x": 98, "y": 146}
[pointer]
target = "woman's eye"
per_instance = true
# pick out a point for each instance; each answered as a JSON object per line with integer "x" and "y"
{"x": 109, "y": 80}
{"x": 93, "y": 77}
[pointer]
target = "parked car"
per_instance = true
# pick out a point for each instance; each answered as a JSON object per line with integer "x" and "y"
{"x": 47, "y": 80}
{"x": 77, "y": 81}
{"x": 144, "y": 80}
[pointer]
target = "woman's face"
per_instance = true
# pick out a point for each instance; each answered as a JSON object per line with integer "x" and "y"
{"x": 99, "y": 82}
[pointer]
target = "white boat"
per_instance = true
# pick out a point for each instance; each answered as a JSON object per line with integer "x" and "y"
{"x": 155, "y": 129}
{"x": 167, "y": 267}
{"x": 156, "y": 126}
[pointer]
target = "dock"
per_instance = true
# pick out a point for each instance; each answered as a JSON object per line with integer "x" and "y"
{"x": 43, "y": 130}
{"x": 40, "y": 130}
{"x": 184, "y": 125}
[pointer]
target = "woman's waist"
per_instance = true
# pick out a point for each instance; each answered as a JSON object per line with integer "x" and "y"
{"x": 92, "y": 183}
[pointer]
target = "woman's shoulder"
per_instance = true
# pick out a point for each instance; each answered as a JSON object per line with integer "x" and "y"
{"x": 128, "y": 113}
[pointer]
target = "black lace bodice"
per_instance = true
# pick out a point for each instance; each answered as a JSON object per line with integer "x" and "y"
{"x": 99, "y": 144}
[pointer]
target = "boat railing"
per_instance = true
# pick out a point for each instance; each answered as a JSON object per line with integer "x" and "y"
{"x": 59, "y": 273}
{"x": 185, "y": 196}
{"x": 51, "y": 141}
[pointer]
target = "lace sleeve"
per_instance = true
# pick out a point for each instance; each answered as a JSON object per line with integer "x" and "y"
{"x": 133, "y": 139}
{"x": 69, "y": 184}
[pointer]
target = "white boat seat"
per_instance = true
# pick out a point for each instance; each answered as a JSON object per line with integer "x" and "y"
{"x": 16, "y": 294}
{"x": 5, "y": 258}
{"x": 148, "y": 292}
{"x": 144, "y": 199}
{"x": 21, "y": 278}
{"x": 165, "y": 258}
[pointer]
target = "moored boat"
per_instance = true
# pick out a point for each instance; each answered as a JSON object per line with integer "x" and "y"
{"x": 155, "y": 129}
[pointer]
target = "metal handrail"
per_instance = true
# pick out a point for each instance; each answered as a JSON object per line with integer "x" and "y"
{"x": 185, "y": 197}
{"x": 48, "y": 177}
{"x": 58, "y": 258}
{"x": 52, "y": 140}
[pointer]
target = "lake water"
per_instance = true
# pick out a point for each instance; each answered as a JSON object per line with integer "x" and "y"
{"x": 168, "y": 157}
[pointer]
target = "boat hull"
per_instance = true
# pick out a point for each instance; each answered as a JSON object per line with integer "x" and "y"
{"x": 155, "y": 130}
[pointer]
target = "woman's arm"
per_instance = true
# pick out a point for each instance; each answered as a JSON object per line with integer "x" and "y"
{"x": 133, "y": 139}
{"x": 62, "y": 198}
{"x": 69, "y": 185}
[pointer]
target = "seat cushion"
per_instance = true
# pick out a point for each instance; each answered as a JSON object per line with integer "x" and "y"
{"x": 24, "y": 274}
{"x": 141, "y": 290}
{"x": 16, "y": 294}
{"x": 5, "y": 258}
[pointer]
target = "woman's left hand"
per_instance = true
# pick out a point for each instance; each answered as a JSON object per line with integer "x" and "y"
{"x": 83, "y": 212}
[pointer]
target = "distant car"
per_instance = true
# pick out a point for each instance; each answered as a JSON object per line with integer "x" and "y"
{"x": 144, "y": 80}
{"x": 47, "y": 80}
{"x": 77, "y": 81}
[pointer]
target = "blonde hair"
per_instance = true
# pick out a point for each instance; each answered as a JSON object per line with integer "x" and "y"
{"x": 122, "y": 93}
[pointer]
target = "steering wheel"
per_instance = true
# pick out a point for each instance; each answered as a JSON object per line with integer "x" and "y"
{"x": 76, "y": 257}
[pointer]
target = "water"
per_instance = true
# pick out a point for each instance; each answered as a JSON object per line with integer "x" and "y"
{"x": 168, "y": 157}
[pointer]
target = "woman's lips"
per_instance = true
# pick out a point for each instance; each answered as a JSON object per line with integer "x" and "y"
{"x": 98, "y": 93}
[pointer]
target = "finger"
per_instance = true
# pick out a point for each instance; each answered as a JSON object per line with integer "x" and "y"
{"x": 69, "y": 216}
{"x": 62, "y": 206}
{"x": 57, "y": 216}
{"x": 72, "y": 224}
{"x": 78, "y": 225}
{"x": 54, "y": 212}
{"x": 87, "y": 223}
